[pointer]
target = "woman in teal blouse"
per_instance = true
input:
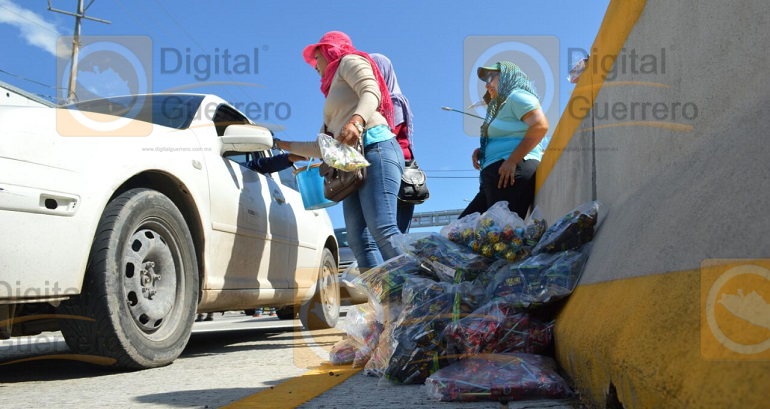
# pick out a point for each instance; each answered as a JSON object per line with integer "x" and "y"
{"x": 510, "y": 148}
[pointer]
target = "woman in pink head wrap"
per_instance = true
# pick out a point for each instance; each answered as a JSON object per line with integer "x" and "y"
{"x": 358, "y": 106}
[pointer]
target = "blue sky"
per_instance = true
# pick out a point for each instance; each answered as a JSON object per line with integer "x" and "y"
{"x": 424, "y": 39}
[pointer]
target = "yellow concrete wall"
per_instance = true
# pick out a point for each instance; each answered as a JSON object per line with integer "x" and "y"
{"x": 676, "y": 192}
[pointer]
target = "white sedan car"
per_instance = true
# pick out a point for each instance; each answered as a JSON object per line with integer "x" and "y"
{"x": 120, "y": 240}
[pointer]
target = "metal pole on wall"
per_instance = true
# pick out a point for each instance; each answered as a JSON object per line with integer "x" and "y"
{"x": 79, "y": 15}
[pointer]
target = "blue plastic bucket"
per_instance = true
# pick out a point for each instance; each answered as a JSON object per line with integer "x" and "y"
{"x": 311, "y": 187}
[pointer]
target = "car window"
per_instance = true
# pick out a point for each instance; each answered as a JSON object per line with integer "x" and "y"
{"x": 238, "y": 157}
{"x": 227, "y": 116}
{"x": 174, "y": 110}
{"x": 286, "y": 175}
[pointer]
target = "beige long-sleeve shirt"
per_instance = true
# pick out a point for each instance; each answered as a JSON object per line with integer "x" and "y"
{"x": 353, "y": 91}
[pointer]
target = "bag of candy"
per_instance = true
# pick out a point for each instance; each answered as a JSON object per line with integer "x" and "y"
{"x": 383, "y": 284}
{"x": 339, "y": 155}
{"x": 364, "y": 353}
{"x": 498, "y": 233}
{"x": 359, "y": 322}
{"x": 379, "y": 358}
{"x": 571, "y": 231}
{"x": 461, "y": 231}
{"x": 417, "y": 349}
{"x": 449, "y": 261}
{"x": 498, "y": 377}
{"x": 540, "y": 279}
{"x": 499, "y": 327}
{"x": 344, "y": 351}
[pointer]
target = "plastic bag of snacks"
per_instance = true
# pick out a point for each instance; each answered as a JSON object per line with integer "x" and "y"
{"x": 417, "y": 349}
{"x": 344, "y": 351}
{"x": 339, "y": 155}
{"x": 498, "y": 233}
{"x": 539, "y": 279}
{"x": 499, "y": 327}
{"x": 383, "y": 284}
{"x": 571, "y": 231}
{"x": 461, "y": 231}
{"x": 451, "y": 262}
{"x": 364, "y": 353}
{"x": 359, "y": 322}
{"x": 379, "y": 358}
{"x": 498, "y": 377}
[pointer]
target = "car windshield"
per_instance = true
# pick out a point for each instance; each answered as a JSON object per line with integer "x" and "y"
{"x": 173, "y": 111}
{"x": 342, "y": 237}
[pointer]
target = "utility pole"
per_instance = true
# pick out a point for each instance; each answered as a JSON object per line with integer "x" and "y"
{"x": 79, "y": 15}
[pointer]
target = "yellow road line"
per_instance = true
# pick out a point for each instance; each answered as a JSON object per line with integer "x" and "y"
{"x": 299, "y": 390}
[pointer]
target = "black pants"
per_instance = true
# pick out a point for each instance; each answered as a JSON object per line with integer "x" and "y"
{"x": 519, "y": 196}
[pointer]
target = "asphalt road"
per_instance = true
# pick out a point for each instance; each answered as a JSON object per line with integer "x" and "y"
{"x": 226, "y": 360}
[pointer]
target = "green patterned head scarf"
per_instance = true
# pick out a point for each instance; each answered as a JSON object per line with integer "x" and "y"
{"x": 512, "y": 78}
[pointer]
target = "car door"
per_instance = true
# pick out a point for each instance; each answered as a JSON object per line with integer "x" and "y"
{"x": 241, "y": 252}
{"x": 304, "y": 235}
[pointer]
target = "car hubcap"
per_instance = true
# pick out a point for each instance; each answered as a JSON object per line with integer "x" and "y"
{"x": 329, "y": 290}
{"x": 150, "y": 279}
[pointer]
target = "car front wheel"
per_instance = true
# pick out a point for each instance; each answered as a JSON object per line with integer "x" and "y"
{"x": 140, "y": 292}
{"x": 323, "y": 308}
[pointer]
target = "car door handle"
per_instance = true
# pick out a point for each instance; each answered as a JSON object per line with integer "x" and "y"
{"x": 278, "y": 197}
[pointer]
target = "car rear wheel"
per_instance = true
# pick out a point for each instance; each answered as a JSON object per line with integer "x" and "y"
{"x": 323, "y": 308}
{"x": 140, "y": 290}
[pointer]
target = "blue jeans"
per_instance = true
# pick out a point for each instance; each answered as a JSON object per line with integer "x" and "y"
{"x": 404, "y": 216}
{"x": 370, "y": 212}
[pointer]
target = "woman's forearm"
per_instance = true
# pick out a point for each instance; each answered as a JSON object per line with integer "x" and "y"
{"x": 306, "y": 149}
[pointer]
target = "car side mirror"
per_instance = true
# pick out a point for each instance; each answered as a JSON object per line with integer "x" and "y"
{"x": 246, "y": 138}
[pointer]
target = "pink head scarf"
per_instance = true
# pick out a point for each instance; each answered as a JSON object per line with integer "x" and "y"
{"x": 334, "y": 45}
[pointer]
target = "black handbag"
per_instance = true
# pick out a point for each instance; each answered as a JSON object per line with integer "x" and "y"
{"x": 413, "y": 184}
{"x": 339, "y": 184}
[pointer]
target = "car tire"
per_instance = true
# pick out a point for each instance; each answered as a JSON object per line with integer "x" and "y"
{"x": 322, "y": 310}
{"x": 140, "y": 290}
{"x": 286, "y": 313}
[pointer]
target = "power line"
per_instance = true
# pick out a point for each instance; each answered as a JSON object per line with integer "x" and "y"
{"x": 181, "y": 27}
{"x": 27, "y": 79}
{"x": 79, "y": 15}
{"x": 149, "y": 17}
{"x": 450, "y": 170}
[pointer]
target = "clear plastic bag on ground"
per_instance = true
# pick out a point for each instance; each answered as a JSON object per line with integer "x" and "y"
{"x": 339, "y": 155}
{"x": 499, "y": 327}
{"x": 344, "y": 351}
{"x": 498, "y": 377}
{"x": 540, "y": 279}
{"x": 360, "y": 322}
{"x": 383, "y": 284}
{"x": 571, "y": 231}
{"x": 417, "y": 348}
{"x": 379, "y": 358}
{"x": 498, "y": 233}
{"x": 364, "y": 353}
{"x": 451, "y": 262}
{"x": 461, "y": 231}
